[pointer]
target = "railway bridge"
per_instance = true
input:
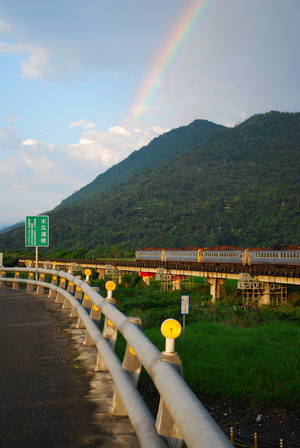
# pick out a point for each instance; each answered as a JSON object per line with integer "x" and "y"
{"x": 258, "y": 281}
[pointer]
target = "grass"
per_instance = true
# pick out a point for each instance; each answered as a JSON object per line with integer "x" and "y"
{"x": 256, "y": 364}
{"x": 260, "y": 363}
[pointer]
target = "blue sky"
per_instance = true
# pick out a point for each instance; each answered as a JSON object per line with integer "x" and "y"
{"x": 69, "y": 73}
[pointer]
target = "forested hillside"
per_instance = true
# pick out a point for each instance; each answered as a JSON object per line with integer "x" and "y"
{"x": 240, "y": 187}
{"x": 160, "y": 149}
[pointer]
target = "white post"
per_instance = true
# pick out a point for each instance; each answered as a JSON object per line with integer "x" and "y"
{"x": 170, "y": 345}
{"x": 36, "y": 261}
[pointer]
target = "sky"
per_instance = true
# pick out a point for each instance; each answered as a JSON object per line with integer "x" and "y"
{"x": 84, "y": 84}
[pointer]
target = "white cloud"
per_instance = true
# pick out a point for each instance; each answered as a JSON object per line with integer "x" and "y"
{"x": 106, "y": 148}
{"x": 82, "y": 123}
{"x": 11, "y": 48}
{"x": 10, "y": 139}
{"x": 36, "y": 65}
{"x": 10, "y": 169}
{"x": 36, "y": 145}
{"x": 46, "y": 174}
{"x": 4, "y": 26}
{"x": 119, "y": 130}
{"x": 13, "y": 118}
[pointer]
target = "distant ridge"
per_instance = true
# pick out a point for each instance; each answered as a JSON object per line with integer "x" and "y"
{"x": 8, "y": 227}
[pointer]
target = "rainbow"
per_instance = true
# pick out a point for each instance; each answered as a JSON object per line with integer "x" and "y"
{"x": 172, "y": 48}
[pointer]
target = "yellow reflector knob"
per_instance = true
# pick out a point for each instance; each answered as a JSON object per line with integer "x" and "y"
{"x": 110, "y": 323}
{"x": 54, "y": 263}
{"x": 86, "y": 297}
{"x": 42, "y": 275}
{"x": 63, "y": 280}
{"x": 54, "y": 277}
{"x": 132, "y": 351}
{"x": 95, "y": 308}
{"x": 71, "y": 283}
{"x": 87, "y": 272}
{"x": 78, "y": 289}
{"x": 110, "y": 286}
{"x": 171, "y": 328}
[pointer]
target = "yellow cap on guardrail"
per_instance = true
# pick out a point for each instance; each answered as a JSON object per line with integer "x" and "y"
{"x": 170, "y": 329}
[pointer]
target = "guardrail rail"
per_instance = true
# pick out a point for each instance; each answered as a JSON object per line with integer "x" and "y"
{"x": 185, "y": 418}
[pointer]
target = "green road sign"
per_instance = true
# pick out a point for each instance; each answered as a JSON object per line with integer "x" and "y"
{"x": 37, "y": 231}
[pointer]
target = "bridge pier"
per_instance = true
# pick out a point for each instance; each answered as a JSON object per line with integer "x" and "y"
{"x": 266, "y": 296}
{"x": 215, "y": 284}
{"x": 146, "y": 276}
{"x": 177, "y": 284}
{"x": 101, "y": 273}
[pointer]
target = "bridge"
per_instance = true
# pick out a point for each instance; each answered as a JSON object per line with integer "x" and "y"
{"x": 265, "y": 278}
{"x": 180, "y": 416}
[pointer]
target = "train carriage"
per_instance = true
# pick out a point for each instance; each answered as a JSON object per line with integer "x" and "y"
{"x": 181, "y": 255}
{"x": 286, "y": 256}
{"x": 148, "y": 254}
{"x": 223, "y": 255}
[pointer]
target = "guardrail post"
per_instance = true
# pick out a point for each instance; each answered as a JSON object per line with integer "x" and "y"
{"x": 52, "y": 292}
{"x": 133, "y": 366}
{"x": 29, "y": 286}
{"x": 78, "y": 297}
{"x": 86, "y": 304}
{"x": 70, "y": 289}
{"x": 16, "y": 284}
{"x": 95, "y": 315}
{"x": 165, "y": 424}
{"x": 78, "y": 293}
{"x": 40, "y": 289}
{"x": 110, "y": 332}
{"x": 59, "y": 297}
{"x": 131, "y": 362}
{"x": 2, "y": 282}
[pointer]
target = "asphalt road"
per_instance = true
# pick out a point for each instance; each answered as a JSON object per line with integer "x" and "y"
{"x": 43, "y": 396}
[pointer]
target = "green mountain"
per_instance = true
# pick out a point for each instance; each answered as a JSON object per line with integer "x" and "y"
{"x": 159, "y": 150}
{"x": 239, "y": 187}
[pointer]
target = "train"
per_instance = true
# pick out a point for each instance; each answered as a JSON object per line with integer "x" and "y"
{"x": 281, "y": 256}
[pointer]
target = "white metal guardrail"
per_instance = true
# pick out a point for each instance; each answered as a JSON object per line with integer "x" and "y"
{"x": 194, "y": 423}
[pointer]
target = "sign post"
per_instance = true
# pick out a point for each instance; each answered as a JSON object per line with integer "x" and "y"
{"x": 37, "y": 233}
{"x": 184, "y": 308}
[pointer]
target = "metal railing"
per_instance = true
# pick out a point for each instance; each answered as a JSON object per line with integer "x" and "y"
{"x": 196, "y": 426}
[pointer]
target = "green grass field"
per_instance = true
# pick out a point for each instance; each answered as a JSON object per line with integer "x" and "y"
{"x": 260, "y": 363}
